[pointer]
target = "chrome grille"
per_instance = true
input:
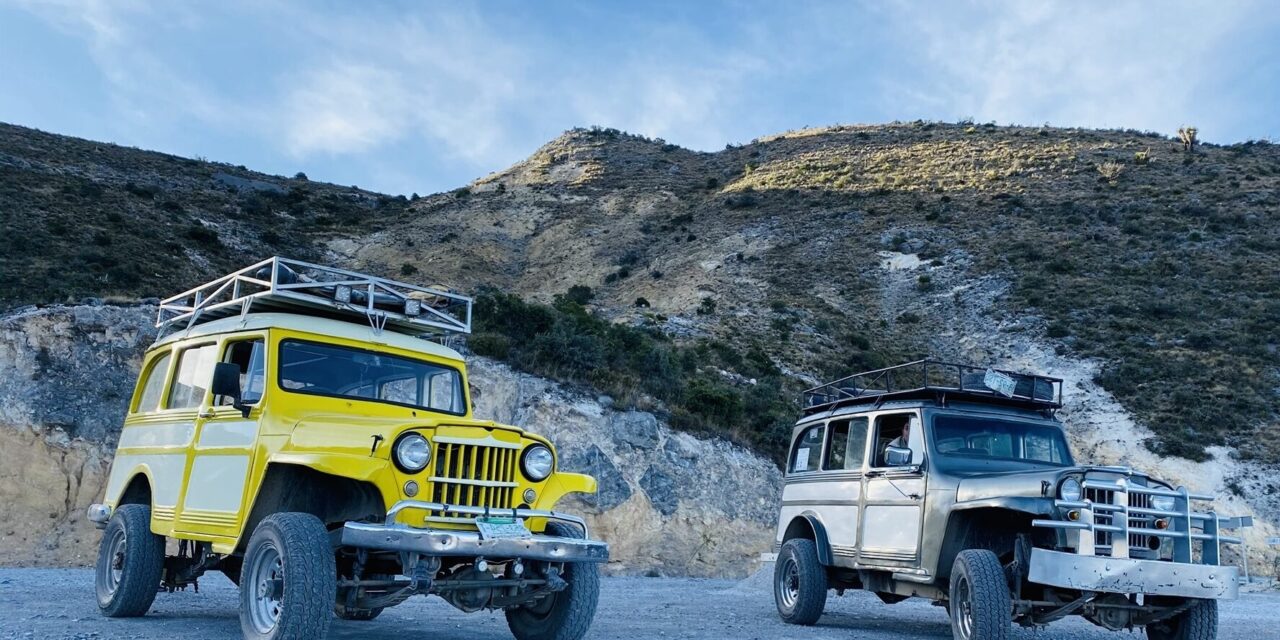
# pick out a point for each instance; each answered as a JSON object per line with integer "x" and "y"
{"x": 472, "y": 475}
{"x": 1138, "y": 544}
{"x": 1102, "y": 539}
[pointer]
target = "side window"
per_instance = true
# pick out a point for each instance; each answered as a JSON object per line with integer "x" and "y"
{"x": 192, "y": 377}
{"x": 808, "y": 450}
{"x": 249, "y": 355}
{"x": 154, "y": 385}
{"x": 898, "y": 430}
{"x": 848, "y": 445}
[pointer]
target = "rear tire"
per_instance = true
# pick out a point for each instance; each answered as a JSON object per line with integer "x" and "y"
{"x": 130, "y": 563}
{"x": 799, "y": 583}
{"x": 564, "y": 615}
{"x": 289, "y": 581}
{"x": 980, "y": 604}
{"x": 1200, "y": 622}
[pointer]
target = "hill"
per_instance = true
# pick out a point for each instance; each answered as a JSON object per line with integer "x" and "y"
{"x": 795, "y": 258}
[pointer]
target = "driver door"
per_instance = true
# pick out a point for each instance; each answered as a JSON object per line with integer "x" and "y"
{"x": 893, "y": 496}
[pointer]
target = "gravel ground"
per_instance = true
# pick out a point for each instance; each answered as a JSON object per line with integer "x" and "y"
{"x": 58, "y": 603}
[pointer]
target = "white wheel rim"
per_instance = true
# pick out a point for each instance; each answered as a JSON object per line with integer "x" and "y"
{"x": 266, "y": 600}
{"x": 789, "y": 583}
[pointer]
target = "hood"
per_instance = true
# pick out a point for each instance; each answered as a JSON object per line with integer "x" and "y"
{"x": 1033, "y": 481}
{"x": 345, "y": 433}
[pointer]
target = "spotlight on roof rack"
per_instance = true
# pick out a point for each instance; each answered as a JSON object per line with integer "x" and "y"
{"x": 412, "y": 307}
{"x": 342, "y": 293}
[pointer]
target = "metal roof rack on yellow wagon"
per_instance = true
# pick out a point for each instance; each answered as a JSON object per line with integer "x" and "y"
{"x": 293, "y": 286}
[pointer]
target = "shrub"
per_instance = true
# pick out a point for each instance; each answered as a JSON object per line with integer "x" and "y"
{"x": 1141, "y": 158}
{"x": 1188, "y": 137}
{"x": 578, "y": 294}
{"x": 1110, "y": 171}
{"x": 408, "y": 269}
{"x": 706, "y": 307}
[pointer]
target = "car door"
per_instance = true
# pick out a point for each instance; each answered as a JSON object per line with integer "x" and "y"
{"x": 842, "y": 462}
{"x": 225, "y": 442}
{"x": 893, "y": 496}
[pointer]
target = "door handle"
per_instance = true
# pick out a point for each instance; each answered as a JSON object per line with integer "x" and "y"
{"x": 207, "y": 413}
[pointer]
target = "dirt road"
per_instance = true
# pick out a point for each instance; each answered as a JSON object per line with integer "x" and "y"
{"x": 58, "y": 603}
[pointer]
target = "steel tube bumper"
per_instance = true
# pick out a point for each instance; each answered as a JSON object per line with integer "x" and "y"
{"x": 451, "y": 542}
{"x": 1129, "y": 576}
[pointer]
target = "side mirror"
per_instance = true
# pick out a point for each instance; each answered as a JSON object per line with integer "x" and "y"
{"x": 897, "y": 456}
{"x": 226, "y": 382}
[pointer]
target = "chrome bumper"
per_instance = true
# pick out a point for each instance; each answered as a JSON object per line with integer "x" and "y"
{"x": 393, "y": 536}
{"x": 99, "y": 515}
{"x": 1129, "y": 576}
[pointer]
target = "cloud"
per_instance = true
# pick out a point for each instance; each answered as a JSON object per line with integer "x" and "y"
{"x": 1086, "y": 64}
{"x": 345, "y": 108}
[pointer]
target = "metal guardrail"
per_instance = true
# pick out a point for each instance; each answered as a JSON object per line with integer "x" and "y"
{"x": 1181, "y": 524}
{"x": 281, "y": 284}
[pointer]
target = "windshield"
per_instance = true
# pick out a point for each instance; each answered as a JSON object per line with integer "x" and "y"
{"x": 345, "y": 372}
{"x": 992, "y": 439}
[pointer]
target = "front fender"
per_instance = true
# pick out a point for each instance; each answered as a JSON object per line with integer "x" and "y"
{"x": 1033, "y": 506}
{"x": 561, "y": 484}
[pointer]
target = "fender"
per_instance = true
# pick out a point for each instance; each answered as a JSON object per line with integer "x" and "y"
{"x": 561, "y": 484}
{"x": 809, "y": 520}
{"x": 1034, "y": 506}
{"x": 348, "y": 466}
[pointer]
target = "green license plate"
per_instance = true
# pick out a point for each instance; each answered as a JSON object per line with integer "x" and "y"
{"x": 498, "y": 528}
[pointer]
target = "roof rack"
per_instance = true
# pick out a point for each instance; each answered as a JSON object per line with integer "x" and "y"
{"x": 293, "y": 286}
{"x": 930, "y": 378}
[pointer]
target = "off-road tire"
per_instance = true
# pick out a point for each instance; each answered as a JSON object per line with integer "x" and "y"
{"x": 308, "y": 575}
{"x": 569, "y": 613}
{"x": 981, "y": 606}
{"x": 799, "y": 582}
{"x": 140, "y": 563}
{"x": 1200, "y": 622}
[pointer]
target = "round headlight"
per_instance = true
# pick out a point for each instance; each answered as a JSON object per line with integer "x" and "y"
{"x": 1069, "y": 490}
{"x": 537, "y": 462}
{"x": 412, "y": 453}
{"x": 1163, "y": 503}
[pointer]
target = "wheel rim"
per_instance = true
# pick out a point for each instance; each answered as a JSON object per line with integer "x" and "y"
{"x": 964, "y": 608}
{"x": 109, "y": 575}
{"x": 789, "y": 583}
{"x": 266, "y": 589}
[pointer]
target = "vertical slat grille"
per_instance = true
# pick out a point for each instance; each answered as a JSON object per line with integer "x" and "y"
{"x": 1102, "y": 539}
{"x": 1137, "y": 541}
{"x": 474, "y": 476}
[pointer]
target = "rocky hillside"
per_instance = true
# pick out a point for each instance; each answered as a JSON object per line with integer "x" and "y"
{"x": 1142, "y": 271}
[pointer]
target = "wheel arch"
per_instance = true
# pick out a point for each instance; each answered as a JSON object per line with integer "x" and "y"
{"x": 808, "y": 526}
{"x": 137, "y": 490}
{"x": 994, "y": 527}
{"x": 334, "y": 499}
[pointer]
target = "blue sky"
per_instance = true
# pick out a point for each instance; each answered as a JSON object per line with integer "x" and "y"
{"x": 420, "y": 97}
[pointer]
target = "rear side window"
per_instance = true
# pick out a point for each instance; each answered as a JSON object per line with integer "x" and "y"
{"x": 192, "y": 378}
{"x": 848, "y": 445}
{"x": 154, "y": 385}
{"x": 807, "y": 453}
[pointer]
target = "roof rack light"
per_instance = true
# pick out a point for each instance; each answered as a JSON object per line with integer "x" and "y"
{"x": 293, "y": 286}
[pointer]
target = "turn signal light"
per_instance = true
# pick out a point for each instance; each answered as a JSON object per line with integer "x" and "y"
{"x": 1073, "y": 515}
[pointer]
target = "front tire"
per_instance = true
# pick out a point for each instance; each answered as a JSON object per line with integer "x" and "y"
{"x": 564, "y": 615}
{"x": 799, "y": 582}
{"x": 289, "y": 580}
{"x": 981, "y": 606}
{"x": 1200, "y": 622}
{"x": 130, "y": 563}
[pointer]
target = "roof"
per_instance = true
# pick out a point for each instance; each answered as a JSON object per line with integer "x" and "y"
{"x": 958, "y": 404}
{"x": 311, "y": 324}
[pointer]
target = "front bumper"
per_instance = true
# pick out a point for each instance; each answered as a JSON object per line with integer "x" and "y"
{"x": 1130, "y": 576}
{"x": 393, "y": 536}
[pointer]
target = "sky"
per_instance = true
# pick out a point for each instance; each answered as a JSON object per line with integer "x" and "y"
{"x": 420, "y": 97}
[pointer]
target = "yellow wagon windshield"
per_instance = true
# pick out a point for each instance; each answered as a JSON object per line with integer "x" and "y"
{"x": 346, "y": 372}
